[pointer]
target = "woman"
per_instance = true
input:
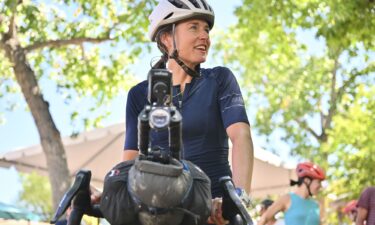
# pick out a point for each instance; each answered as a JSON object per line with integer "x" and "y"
{"x": 209, "y": 100}
{"x": 298, "y": 206}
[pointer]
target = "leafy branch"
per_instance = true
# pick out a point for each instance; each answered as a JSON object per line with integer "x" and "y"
{"x": 304, "y": 125}
{"x": 333, "y": 106}
{"x": 59, "y": 43}
{"x": 72, "y": 41}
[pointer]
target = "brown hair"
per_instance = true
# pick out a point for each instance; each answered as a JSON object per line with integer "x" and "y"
{"x": 164, "y": 58}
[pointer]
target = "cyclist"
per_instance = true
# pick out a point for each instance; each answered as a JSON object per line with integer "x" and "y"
{"x": 298, "y": 206}
{"x": 209, "y": 100}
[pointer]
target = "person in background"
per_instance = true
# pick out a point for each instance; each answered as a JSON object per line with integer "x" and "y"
{"x": 298, "y": 206}
{"x": 263, "y": 208}
{"x": 351, "y": 210}
{"x": 366, "y": 207}
{"x": 264, "y": 205}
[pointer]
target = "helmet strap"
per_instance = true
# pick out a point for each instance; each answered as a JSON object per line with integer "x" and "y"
{"x": 175, "y": 56}
{"x": 308, "y": 186}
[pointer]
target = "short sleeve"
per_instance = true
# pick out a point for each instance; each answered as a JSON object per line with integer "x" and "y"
{"x": 133, "y": 108}
{"x": 364, "y": 199}
{"x": 230, "y": 98}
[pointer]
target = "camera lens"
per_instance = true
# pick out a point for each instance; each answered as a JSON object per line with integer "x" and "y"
{"x": 159, "y": 118}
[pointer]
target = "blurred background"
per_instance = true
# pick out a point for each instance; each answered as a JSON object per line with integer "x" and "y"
{"x": 306, "y": 67}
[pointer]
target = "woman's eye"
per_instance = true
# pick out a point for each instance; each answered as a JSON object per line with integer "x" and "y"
{"x": 193, "y": 27}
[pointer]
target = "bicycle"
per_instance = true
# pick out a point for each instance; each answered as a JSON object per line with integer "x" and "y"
{"x": 160, "y": 114}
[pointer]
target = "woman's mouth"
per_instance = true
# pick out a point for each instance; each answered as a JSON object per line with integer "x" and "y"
{"x": 202, "y": 48}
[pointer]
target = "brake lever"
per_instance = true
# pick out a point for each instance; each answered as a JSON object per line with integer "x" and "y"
{"x": 81, "y": 183}
{"x": 232, "y": 204}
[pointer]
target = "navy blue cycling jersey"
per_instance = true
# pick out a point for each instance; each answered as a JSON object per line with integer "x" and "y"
{"x": 208, "y": 106}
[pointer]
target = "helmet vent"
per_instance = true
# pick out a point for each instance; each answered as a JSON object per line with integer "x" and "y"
{"x": 169, "y": 15}
{"x": 179, "y": 4}
{"x": 204, "y": 5}
{"x": 195, "y": 3}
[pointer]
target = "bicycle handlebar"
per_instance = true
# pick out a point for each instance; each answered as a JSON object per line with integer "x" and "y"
{"x": 75, "y": 217}
{"x": 78, "y": 196}
{"x": 233, "y": 209}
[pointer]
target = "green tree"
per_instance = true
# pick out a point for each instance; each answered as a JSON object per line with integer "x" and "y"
{"x": 36, "y": 194}
{"x": 350, "y": 147}
{"x": 351, "y": 142}
{"x": 84, "y": 47}
{"x": 308, "y": 68}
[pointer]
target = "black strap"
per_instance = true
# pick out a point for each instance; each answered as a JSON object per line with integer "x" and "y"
{"x": 308, "y": 186}
{"x": 174, "y": 55}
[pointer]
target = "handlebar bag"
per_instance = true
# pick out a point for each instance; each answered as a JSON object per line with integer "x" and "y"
{"x": 116, "y": 204}
{"x": 151, "y": 193}
{"x": 170, "y": 194}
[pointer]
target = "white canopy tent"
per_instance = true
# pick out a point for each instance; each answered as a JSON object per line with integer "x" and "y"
{"x": 100, "y": 149}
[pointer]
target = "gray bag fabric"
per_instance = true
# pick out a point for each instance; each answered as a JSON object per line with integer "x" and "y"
{"x": 143, "y": 192}
{"x": 199, "y": 201}
{"x": 116, "y": 204}
{"x": 170, "y": 194}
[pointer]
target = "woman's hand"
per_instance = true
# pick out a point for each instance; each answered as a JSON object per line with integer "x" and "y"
{"x": 217, "y": 213}
{"x": 95, "y": 195}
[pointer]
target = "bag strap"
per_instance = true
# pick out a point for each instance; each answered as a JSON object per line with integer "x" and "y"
{"x": 172, "y": 170}
{"x": 147, "y": 166}
{"x": 160, "y": 211}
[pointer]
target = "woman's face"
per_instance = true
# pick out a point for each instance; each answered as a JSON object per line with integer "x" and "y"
{"x": 192, "y": 40}
{"x": 315, "y": 186}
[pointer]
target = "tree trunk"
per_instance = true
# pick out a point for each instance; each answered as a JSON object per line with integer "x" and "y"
{"x": 49, "y": 135}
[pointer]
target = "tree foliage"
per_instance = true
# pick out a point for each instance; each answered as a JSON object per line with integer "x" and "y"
{"x": 350, "y": 144}
{"x": 83, "y": 47}
{"x": 36, "y": 194}
{"x": 308, "y": 68}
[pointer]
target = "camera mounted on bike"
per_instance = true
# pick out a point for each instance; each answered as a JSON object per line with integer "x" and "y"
{"x": 158, "y": 115}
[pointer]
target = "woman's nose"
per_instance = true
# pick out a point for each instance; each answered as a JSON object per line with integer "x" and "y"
{"x": 204, "y": 35}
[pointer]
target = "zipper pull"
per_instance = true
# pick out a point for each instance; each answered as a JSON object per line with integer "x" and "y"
{"x": 180, "y": 103}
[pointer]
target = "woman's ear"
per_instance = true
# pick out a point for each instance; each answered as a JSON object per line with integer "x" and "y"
{"x": 166, "y": 40}
{"x": 307, "y": 180}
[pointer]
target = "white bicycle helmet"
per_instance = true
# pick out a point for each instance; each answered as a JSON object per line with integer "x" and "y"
{"x": 172, "y": 11}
